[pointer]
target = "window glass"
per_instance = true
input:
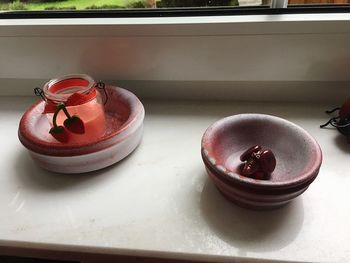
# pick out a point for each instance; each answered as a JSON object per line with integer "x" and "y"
{"x": 47, "y": 5}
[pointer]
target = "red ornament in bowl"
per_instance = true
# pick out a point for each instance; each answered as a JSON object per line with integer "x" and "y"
{"x": 298, "y": 159}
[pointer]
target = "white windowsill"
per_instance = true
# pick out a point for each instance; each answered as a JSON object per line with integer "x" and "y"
{"x": 159, "y": 202}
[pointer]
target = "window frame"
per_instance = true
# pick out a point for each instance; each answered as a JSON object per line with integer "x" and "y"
{"x": 320, "y": 23}
{"x": 18, "y": 77}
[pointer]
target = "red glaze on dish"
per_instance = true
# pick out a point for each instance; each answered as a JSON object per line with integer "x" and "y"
{"x": 123, "y": 114}
{"x": 298, "y": 157}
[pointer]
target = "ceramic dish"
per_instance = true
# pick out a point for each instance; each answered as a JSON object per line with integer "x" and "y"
{"x": 298, "y": 158}
{"x": 124, "y": 116}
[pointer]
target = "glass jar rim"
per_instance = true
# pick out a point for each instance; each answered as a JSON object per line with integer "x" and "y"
{"x": 50, "y": 95}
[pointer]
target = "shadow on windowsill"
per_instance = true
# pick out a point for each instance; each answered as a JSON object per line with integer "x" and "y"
{"x": 31, "y": 176}
{"x": 342, "y": 143}
{"x": 248, "y": 230}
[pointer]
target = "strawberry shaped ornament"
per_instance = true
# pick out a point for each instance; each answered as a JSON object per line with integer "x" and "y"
{"x": 60, "y": 134}
{"x": 72, "y": 124}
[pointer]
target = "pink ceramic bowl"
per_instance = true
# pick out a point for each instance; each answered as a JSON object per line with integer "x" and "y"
{"x": 298, "y": 158}
{"x": 124, "y": 129}
{"x": 254, "y": 198}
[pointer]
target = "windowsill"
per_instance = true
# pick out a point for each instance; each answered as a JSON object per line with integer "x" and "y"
{"x": 159, "y": 203}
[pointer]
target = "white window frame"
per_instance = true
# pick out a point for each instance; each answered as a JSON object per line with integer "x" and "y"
{"x": 286, "y": 52}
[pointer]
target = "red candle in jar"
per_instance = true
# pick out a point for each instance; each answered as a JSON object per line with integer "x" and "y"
{"x": 75, "y": 109}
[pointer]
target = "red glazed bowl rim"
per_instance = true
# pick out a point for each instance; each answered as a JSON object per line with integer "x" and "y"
{"x": 220, "y": 170}
{"x": 35, "y": 144}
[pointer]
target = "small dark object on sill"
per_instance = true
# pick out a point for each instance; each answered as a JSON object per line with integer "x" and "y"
{"x": 342, "y": 121}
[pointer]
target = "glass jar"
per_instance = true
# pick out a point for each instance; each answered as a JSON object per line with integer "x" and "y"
{"x": 75, "y": 95}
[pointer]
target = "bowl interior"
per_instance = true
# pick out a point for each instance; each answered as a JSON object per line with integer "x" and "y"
{"x": 297, "y": 154}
